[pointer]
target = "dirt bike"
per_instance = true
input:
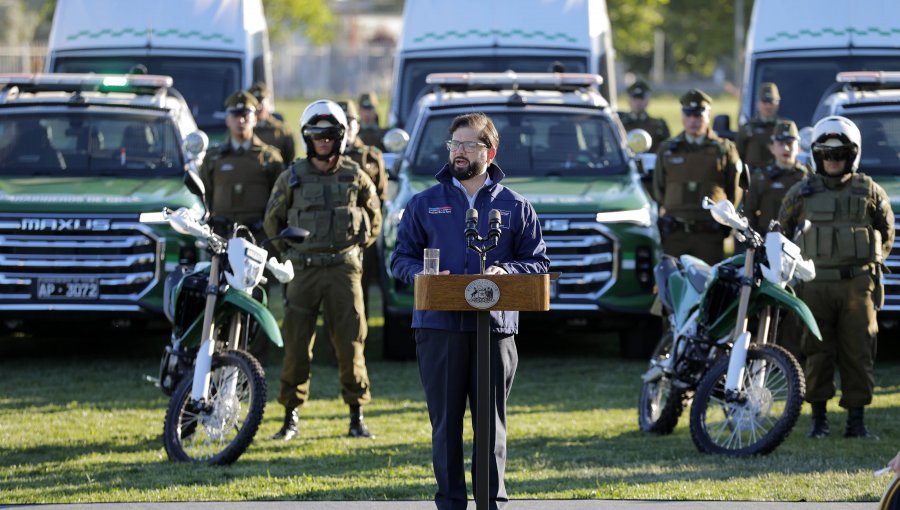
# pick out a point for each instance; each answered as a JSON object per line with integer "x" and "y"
{"x": 216, "y": 307}
{"x": 747, "y": 391}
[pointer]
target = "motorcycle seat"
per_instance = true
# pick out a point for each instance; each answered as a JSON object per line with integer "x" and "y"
{"x": 698, "y": 271}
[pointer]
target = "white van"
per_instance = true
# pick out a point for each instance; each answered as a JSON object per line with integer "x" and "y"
{"x": 496, "y": 36}
{"x": 210, "y": 48}
{"x": 802, "y": 44}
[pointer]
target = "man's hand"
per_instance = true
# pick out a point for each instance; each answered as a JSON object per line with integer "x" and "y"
{"x": 495, "y": 270}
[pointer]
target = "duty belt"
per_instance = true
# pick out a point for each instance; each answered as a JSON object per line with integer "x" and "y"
{"x": 831, "y": 274}
{"x": 669, "y": 224}
{"x": 329, "y": 259}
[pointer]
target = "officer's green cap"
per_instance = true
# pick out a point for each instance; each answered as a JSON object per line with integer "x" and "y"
{"x": 638, "y": 89}
{"x": 785, "y": 130}
{"x": 368, "y": 100}
{"x": 768, "y": 92}
{"x": 240, "y": 102}
{"x": 350, "y": 109}
{"x": 259, "y": 90}
{"x": 695, "y": 100}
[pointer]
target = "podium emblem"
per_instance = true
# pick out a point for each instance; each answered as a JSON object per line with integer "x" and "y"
{"x": 482, "y": 294}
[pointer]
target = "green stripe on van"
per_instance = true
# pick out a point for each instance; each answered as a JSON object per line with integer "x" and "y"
{"x": 132, "y": 32}
{"x": 883, "y": 32}
{"x": 475, "y": 33}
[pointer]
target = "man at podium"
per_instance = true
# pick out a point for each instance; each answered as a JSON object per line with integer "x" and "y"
{"x": 446, "y": 341}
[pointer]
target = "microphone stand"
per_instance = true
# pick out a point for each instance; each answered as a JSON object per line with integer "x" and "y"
{"x": 482, "y": 481}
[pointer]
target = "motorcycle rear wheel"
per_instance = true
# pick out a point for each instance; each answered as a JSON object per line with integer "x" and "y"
{"x": 661, "y": 403}
{"x": 764, "y": 413}
{"x": 220, "y": 431}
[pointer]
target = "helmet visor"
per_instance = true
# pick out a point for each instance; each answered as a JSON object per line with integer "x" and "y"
{"x": 323, "y": 132}
{"x": 833, "y": 153}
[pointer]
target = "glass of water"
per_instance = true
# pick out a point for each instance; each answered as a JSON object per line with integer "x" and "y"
{"x": 432, "y": 261}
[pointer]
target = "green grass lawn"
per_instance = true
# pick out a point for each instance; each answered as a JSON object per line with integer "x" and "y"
{"x": 76, "y": 427}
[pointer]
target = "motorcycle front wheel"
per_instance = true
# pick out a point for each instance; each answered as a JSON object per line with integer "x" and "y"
{"x": 759, "y": 417}
{"x": 220, "y": 430}
{"x": 661, "y": 403}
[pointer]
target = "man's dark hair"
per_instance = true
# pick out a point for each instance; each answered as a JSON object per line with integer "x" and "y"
{"x": 481, "y": 124}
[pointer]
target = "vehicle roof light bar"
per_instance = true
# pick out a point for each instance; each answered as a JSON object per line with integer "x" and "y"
{"x": 80, "y": 82}
{"x": 861, "y": 77}
{"x": 515, "y": 81}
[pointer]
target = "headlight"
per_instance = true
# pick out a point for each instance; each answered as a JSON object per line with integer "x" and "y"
{"x": 637, "y": 216}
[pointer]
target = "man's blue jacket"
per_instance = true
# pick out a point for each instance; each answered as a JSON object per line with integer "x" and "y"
{"x": 436, "y": 218}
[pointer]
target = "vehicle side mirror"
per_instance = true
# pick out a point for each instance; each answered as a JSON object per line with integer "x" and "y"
{"x": 195, "y": 144}
{"x": 395, "y": 140}
{"x": 722, "y": 126}
{"x": 293, "y": 234}
{"x": 806, "y": 138}
{"x": 194, "y": 184}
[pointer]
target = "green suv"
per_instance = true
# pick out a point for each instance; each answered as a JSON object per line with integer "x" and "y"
{"x": 563, "y": 148}
{"x": 81, "y": 156}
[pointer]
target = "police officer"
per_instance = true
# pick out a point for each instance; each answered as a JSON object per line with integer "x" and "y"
{"x": 851, "y": 235}
{"x": 240, "y": 172}
{"x": 695, "y": 164}
{"x": 329, "y": 195}
{"x": 769, "y": 185}
{"x": 754, "y": 136}
{"x": 637, "y": 118}
{"x": 268, "y": 127}
{"x": 370, "y": 159}
{"x": 370, "y": 131}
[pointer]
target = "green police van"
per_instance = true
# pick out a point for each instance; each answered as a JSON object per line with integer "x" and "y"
{"x": 81, "y": 156}
{"x": 564, "y": 149}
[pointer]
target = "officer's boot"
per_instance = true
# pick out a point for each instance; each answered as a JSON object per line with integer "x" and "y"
{"x": 357, "y": 424}
{"x": 855, "y": 425}
{"x": 819, "y": 421}
{"x": 291, "y": 426}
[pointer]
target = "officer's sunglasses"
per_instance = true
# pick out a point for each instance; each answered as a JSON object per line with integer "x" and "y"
{"x": 832, "y": 153}
{"x": 454, "y": 145}
{"x": 322, "y": 133}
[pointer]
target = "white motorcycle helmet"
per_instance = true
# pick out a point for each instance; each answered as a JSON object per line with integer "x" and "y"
{"x": 836, "y": 135}
{"x": 323, "y": 117}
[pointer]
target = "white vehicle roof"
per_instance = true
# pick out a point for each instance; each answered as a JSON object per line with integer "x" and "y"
{"x": 175, "y": 24}
{"x": 816, "y": 24}
{"x": 568, "y": 89}
{"x": 502, "y": 23}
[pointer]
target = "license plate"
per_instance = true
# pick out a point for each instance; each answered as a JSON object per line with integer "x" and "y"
{"x": 68, "y": 289}
{"x": 554, "y": 289}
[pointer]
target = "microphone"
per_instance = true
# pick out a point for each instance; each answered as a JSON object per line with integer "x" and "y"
{"x": 471, "y": 224}
{"x": 494, "y": 225}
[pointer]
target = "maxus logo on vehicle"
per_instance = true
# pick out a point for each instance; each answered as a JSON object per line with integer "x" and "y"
{"x": 65, "y": 224}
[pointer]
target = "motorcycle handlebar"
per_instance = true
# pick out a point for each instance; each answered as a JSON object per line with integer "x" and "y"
{"x": 283, "y": 271}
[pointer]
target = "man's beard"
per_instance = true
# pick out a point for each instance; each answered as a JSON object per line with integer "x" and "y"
{"x": 474, "y": 168}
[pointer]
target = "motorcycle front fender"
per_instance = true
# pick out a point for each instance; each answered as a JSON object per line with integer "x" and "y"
{"x": 255, "y": 309}
{"x": 788, "y": 299}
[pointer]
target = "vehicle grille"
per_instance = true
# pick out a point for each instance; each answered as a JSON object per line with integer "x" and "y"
{"x": 584, "y": 251}
{"x": 892, "y": 275}
{"x": 116, "y": 251}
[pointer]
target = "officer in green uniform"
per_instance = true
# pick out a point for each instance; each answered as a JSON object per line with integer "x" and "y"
{"x": 637, "y": 118}
{"x": 753, "y": 137}
{"x": 370, "y": 131}
{"x": 851, "y": 235}
{"x": 694, "y": 164}
{"x": 239, "y": 173}
{"x": 330, "y": 196}
{"x": 769, "y": 185}
{"x": 268, "y": 128}
{"x": 370, "y": 159}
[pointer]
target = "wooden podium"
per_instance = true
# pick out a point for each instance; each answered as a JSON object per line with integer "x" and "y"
{"x": 482, "y": 294}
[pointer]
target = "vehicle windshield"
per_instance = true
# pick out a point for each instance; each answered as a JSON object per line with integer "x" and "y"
{"x": 534, "y": 144}
{"x": 802, "y": 83}
{"x": 418, "y": 69}
{"x": 880, "y": 142}
{"x": 77, "y": 144}
{"x": 204, "y": 83}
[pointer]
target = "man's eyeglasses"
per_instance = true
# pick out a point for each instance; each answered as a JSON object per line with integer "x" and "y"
{"x": 832, "y": 153}
{"x": 454, "y": 145}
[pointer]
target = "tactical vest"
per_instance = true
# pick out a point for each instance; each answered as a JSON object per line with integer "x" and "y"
{"x": 770, "y": 193}
{"x": 691, "y": 174}
{"x": 325, "y": 205}
{"x": 241, "y": 183}
{"x": 841, "y": 232}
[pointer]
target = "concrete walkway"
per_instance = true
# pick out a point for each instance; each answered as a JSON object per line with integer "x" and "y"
{"x": 427, "y": 505}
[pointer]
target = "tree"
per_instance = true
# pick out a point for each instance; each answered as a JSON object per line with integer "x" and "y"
{"x": 311, "y": 17}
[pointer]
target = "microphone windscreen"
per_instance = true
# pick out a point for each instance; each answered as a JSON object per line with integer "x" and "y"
{"x": 494, "y": 216}
{"x": 472, "y": 216}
